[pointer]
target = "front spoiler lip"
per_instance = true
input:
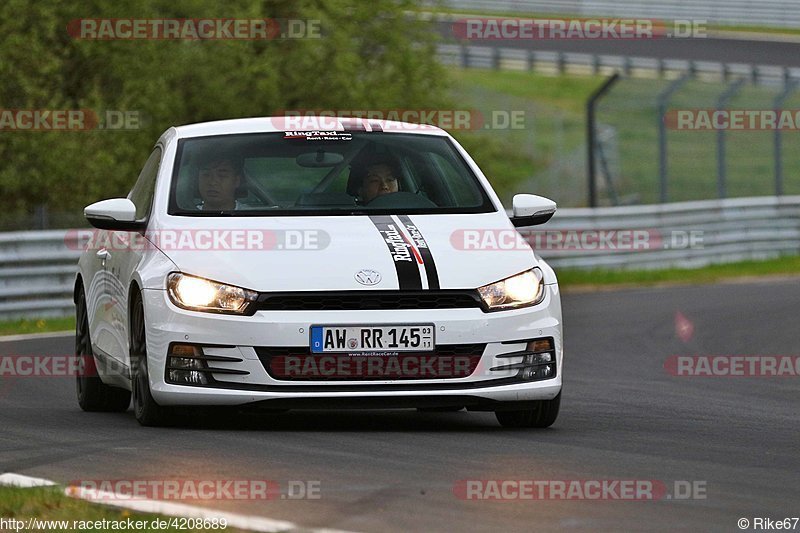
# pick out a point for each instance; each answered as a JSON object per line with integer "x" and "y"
{"x": 407, "y": 386}
{"x": 177, "y": 395}
{"x": 472, "y": 403}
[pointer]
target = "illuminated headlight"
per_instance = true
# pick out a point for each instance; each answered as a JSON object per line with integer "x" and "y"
{"x": 522, "y": 290}
{"x": 198, "y": 294}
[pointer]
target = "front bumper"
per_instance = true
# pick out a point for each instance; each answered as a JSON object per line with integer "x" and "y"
{"x": 244, "y": 338}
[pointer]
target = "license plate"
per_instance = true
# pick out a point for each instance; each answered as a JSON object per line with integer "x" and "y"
{"x": 356, "y": 339}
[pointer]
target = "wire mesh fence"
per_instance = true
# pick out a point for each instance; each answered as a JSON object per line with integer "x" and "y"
{"x": 707, "y": 154}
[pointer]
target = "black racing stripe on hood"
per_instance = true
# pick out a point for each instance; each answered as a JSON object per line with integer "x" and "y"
{"x": 424, "y": 250}
{"x": 408, "y": 275}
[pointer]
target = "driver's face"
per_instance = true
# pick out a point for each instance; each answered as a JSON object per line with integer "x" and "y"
{"x": 379, "y": 180}
{"x": 218, "y": 182}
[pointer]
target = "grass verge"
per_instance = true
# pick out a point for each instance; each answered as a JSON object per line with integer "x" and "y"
{"x": 34, "y": 325}
{"x": 600, "y": 279}
{"x": 50, "y": 504}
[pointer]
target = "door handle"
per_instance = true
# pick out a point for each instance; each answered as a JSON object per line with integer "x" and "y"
{"x": 103, "y": 254}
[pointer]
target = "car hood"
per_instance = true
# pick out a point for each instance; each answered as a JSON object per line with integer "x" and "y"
{"x": 346, "y": 252}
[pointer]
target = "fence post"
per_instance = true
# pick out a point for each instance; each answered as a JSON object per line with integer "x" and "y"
{"x": 722, "y": 101}
{"x": 777, "y": 104}
{"x": 41, "y": 217}
{"x": 663, "y": 102}
{"x": 591, "y": 105}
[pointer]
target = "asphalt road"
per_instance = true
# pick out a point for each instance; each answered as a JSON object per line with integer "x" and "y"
{"x": 623, "y": 417}
{"x": 755, "y": 52}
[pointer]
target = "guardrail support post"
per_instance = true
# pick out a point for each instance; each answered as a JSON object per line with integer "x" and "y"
{"x": 591, "y": 105}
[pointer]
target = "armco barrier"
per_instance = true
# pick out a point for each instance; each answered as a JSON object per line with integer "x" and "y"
{"x": 778, "y": 13}
{"x": 555, "y": 63}
{"x": 37, "y": 268}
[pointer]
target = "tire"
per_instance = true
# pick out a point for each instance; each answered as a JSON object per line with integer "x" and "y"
{"x": 93, "y": 394}
{"x": 541, "y": 416}
{"x": 145, "y": 408}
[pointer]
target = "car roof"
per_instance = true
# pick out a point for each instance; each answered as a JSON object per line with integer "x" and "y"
{"x": 302, "y": 123}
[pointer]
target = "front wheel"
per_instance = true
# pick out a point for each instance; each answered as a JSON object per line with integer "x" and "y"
{"x": 147, "y": 411}
{"x": 543, "y": 415}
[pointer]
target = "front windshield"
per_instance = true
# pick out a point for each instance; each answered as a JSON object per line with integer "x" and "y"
{"x": 328, "y": 173}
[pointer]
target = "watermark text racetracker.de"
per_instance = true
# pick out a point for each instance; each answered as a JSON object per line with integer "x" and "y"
{"x": 579, "y": 489}
{"x": 205, "y": 239}
{"x": 187, "y": 29}
{"x": 412, "y": 119}
{"x": 42, "y": 120}
{"x": 195, "y": 489}
{"x": 733, "y": 119}
{"x": 731, "y": 366}
{"x": 588, "y": 240}
{"x": 24, "y": 366}
{"x": 505, "y": 28}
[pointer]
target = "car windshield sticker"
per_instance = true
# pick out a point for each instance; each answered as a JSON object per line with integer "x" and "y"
{"x": 319, "y": 135}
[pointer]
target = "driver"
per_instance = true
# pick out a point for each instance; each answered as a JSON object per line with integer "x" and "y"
{"x": 379, "y": 177}
{"x": 218, "y": 178}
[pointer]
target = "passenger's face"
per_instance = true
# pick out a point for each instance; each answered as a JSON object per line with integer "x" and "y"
{"x": 218, "y": 181}
{"x": 379, "y": 180}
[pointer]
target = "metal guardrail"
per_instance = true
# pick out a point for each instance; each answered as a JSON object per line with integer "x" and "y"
{"x": 778, "y": 13}
{"x": 549, "y": 62}
{"x": 37, "y": 268}
{"x": 737, "y": 229}
{"x": 37, "y": 272}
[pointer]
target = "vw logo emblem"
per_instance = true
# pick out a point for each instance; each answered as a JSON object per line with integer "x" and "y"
{"x": 368, "y": 277}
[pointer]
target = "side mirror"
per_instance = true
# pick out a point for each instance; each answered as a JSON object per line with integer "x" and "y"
{"x": 117, "y": 214}
{"x": 531, "y": 210}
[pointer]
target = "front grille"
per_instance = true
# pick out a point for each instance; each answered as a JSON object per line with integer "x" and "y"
{"x": 368, "y": 300}
{"x": 298, "y": 364}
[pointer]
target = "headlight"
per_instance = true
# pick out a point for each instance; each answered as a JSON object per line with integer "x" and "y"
{"x": 198, "y": 294}
{"x": 522, "y": 290}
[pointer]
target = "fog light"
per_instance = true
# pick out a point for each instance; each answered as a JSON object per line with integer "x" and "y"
{"x": 184, "y": 365}
{"x": 538, "y": 358}
{"x": 187, "y": 377}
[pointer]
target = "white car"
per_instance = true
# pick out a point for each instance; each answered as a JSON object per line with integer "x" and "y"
{"x": 368, "y": 264}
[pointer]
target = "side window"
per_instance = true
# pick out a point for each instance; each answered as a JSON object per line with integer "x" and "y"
{"x": 463, "y": 191}
{"x": 142, "y": 193}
